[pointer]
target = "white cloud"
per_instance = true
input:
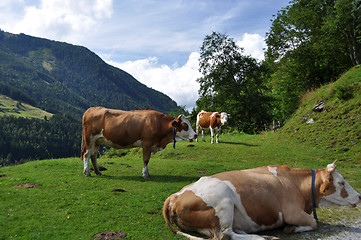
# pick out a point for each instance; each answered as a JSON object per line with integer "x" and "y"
{"x": 65, "y": 20}
{"x": 254, "y": 45}
{"x": 179, "y": 83}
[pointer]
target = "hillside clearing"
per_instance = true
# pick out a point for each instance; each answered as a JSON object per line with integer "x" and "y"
{"x": 10, "y": 107}
{"x": 66, "y": 205}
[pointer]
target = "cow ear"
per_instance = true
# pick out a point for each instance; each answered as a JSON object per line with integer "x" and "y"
{"x": 176, "y": 124}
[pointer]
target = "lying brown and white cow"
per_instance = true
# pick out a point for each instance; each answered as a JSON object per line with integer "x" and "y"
{"x": 211, "y": 120}
{"x": 148, "y": 129}
{"x": 231, "y": 204}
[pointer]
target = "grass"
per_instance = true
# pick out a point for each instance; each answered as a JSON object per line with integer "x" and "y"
{"x": 7, "y": 106}
{"x": 338, "y": 127}
{"x": 67, "y": 205}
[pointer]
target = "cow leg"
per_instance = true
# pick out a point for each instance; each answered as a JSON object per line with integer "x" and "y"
{"x": 212, "y": 135}
{"x": 94, "y": 161}
{"x": 197, "y": 128}
{"x": 218, "y": 129}
{"x": 86, "y": 162}
{"x": 299, "y": 221}
{"x": 226, "y": 221}
{"x": 146, "y": 157}
{"x": 203, "y": 135}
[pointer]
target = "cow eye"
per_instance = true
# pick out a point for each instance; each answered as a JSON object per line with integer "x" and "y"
{"x": 185, "y": 126}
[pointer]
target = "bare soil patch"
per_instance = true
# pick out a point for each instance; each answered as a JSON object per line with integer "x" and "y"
{"x": 110, "y": 235}
{"x": 27, "y": 185}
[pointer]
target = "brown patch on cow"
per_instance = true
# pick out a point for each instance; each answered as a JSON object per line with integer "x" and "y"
{"x": 27, "y": 185}
{"x": 110, "y": 235}
{"x": 266, "y": 211}
{"x": 327, "y": 186}
{"x": 344, "y": 194}
{"x": 190, "y": 213}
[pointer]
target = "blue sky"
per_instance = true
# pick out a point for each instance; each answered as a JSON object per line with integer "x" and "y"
{"x": 154, "y": 40}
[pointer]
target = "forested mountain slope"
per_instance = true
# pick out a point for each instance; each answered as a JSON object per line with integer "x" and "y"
{"x": 61, "y": 77}
{"x": 63, "y": 80}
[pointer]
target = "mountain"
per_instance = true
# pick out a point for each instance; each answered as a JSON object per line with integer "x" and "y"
{"x": 62, "y": 78}
{"x": 48, "y": 85}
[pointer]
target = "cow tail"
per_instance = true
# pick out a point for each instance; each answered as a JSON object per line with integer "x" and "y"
{"x": 166, "y": 210}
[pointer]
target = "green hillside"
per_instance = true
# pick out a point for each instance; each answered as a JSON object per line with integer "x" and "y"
{"x": 337, "y": 127}
{"x": 10, "y": 107}
{"x": 64, "y": 78}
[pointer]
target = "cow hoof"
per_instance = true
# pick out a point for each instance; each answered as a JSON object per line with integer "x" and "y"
{"x": 98, "y": 173}
{"x": 146, "y": 177}
{"x": 271, "y": 238}
{"x": 87, "y": 174}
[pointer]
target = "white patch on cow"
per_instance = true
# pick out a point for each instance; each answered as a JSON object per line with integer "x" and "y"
{"x": 145, "y": 172}
{"x": 213, "y": 114}
{"x": 273, "y": 170}
{"x": 223, "y": 197}
{"x": 224, "y": 118}
{"x": 185, "y": 135}
{"x": 335, "y": 199}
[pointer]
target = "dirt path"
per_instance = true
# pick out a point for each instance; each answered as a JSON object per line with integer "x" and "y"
{"x": 335, "y": 223}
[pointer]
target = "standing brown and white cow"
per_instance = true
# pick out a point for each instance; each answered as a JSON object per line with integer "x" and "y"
{"x": 148, "y": 129}
{"x": 230, "y": 204}
{"x": 211, "y": 120}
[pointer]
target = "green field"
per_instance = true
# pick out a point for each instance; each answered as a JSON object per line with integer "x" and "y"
{"x": 8, "y": 106}
{"x": 67, "y": 205}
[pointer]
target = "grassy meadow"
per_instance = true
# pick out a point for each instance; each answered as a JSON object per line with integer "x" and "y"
{"x": 64, "y": 204}
{"x": 24, "y": 110}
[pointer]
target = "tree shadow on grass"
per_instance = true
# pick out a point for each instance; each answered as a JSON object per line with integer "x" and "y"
{"x": 240, "y": 143}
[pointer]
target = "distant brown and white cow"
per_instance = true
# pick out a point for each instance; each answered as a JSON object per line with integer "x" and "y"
{"x": 211, "y": 120}
{"x": 231, "y": 204}
{"x": 148, "y": 129}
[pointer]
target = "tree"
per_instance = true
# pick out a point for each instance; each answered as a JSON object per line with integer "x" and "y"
{"x": 310, "y": 43}
{"x": 232, "y": 82}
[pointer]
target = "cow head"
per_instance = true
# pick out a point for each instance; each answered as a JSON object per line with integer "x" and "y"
{"x": 224, "y": 118}
{"x": 335, "y": 190}
{"x": 183, "y": 129}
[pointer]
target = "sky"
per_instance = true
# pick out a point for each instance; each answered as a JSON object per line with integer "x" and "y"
{"x": 156, "y": 41}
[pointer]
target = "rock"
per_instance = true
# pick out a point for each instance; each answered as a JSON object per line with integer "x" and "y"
{"x": 310, "y": 121}
{"x": 319, "y": 106}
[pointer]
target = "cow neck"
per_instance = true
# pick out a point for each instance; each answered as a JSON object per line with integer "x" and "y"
{"x": 313, "y": 189}
{"x": 302, "y": 178}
